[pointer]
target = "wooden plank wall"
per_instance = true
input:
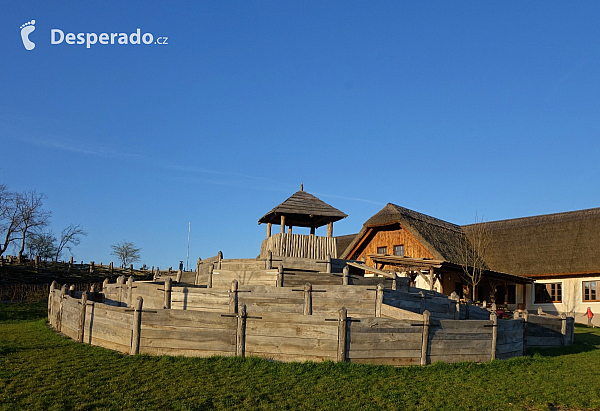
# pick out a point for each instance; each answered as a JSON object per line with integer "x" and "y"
{"x": 384, "y": 341}
{"x": 510, "y": 339}
{"x": 439, "y": 307}
{"x": 199, "y": 299}
{"x": 222, "y": 278}
{"x": 299, "y": 246}
{"x": 546, "y": 331}
{"x": 292, "y": 337}
{"x": 287, "y": 336}
{"x": 189, "y": 333}
{"x": 456, "y": 340}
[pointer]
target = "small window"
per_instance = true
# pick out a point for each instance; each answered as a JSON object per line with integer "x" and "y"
{"x": 381, "y": 250}
{"x": 548, "y": 293}
{"x": 511, "y": 294}
{"x": 399, "y": 250}
{"x": 590, "y": 290}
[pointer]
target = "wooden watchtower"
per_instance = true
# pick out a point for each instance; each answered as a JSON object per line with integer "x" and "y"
{"x": 301, "y": 210}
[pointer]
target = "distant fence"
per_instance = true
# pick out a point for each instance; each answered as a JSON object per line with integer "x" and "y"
{"x": 299, "y": 246}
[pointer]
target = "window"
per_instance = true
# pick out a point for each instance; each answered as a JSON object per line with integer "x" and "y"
{"x": 399, "y": 250}
{"x": 511, "y": 294}
{"x": 381, "y": 250}
{"x": 548, "y": 293}
{"x": 590, "y": 289}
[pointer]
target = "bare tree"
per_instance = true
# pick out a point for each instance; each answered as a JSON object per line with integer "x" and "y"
{"x": 473, "y": 247}
{"x": 31, "y": 215}
{"x": 69, "y": 238}
{"x": 42, "y": 244}
{"x": 126, "y": 252}
{"x": 9, "y": 218}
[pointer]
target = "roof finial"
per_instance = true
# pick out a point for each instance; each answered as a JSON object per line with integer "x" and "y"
{"x": 301, "y": 186}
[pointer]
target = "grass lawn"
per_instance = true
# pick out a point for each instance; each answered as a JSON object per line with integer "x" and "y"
{"x": 40, "y": 370}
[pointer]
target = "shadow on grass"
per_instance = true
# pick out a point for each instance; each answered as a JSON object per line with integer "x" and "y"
{"x": 586, "y": 340}
{"x": 13, "y": 312}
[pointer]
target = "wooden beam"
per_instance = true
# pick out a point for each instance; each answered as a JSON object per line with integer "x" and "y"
{"x": 282, "y": 224}
{"x": 365, "y": 267}
{"x": 330, "y": 229}
{"x": 269, "y": 229}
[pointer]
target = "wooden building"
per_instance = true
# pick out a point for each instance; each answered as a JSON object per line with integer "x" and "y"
{"x": 301, "y": 210}
{"x": 428, "y": 250}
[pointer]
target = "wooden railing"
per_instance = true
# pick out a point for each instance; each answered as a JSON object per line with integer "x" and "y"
{"x": 299, "y": 246}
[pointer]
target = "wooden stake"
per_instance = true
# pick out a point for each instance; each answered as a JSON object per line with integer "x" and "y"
{"x": 241, "y": 332}
{"x": 342, "y": 331}
{"x": 167, "y": 304}
{"x": 494, "y": 318}
{"x": 137, "y": 326}
{"x": 378, "y": 300}
{"x": 346, "y": 271}
{"x": 129, "y": 291}
{"x": 308, "y": 299}
{"x": 563, "y": 329}
{"x": 425, "y": 342}
{"x": 280, "y": 276}
{"x": 81, "y": 326}
{"x": 50, "y": 298}
{"x": 233, "y": 297}
{"x": 209, "y": 280}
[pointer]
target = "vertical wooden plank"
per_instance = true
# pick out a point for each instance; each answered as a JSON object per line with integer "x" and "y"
{"x": 425, "y": 342}
{"x": 563, "y": 329}
{"x": 178, "y": 277}
{"x": 220, "y": 259}
{"x": 129, "y": 291}
{"x": 81, "y": 325}
{"x": 241, "y": 332}
{"x": 233, "y": 297}
{"x": 328, "y": 259}
{"x": 63, "y": 291}
{"x": 168, "y": 286}
{"x": 526, "y": 318}
{"x": 209, "y": 281}
{"x": 308, "y": 299}
{"x": 120, "y": 281}
{"x": 378, "y": 300}
{"x": 342, "y": 330}
{"x": 346, "y": 271}
{"x": 269, "y": 262}
{"x": 137, "y": 326}
{"x": 280, "y": 276}
{"x": 494, "y": 318}
{"x": 50, "y": 294}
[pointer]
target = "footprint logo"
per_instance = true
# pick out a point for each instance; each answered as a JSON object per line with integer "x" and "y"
{"x": 26, "y": 30}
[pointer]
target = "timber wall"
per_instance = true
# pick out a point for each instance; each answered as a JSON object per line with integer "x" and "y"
{"x": 276, "y": 335}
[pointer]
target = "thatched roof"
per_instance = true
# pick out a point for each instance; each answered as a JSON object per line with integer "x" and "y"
{"x": 441, "y": 238}
{"x": 562, "y": 243}
{"x": 303, "y": 210}
{"x": 343, "y": 241}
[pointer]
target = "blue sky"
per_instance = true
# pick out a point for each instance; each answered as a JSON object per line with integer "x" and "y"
{"x": 447, "y": 108}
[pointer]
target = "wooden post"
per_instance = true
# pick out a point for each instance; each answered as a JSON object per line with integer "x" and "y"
{"x": 378, "y": 300}
{"x": 120, "y": 281}
{"x": 167, "y": 303}
{"x": 282, "y": 224}
{"x": 72, "y": 290}
{"x": 129, "y": 291}
{"x": 81, "y": 326}
{"x": 540, "y": 311}
{"x": 431, "y": 278}
{"x": 312, "y": 230}
{"x": 91, "y": 267}
{"x": 241, "y": 332}
{"x": 178, "y": 278}
{"x": 425, "y": 342}
{"x": 233, "y": 297}
{"x": 526, "y": 318}
{"x": 269, "y": 261}
{"x": 63, "y": 291}
{"x": 110, "y": 266}
{"x": 289, "y": 229}
{"x": 563, "y": 329}
{"x": 342, "y": 331}
{"x": 494, "y": 318}
{"x": 137, "y": 326}
{"x": 346, "y": 272}
{"x": 220, "y": 258}
{"x": 494, "y": 307}
{"x": 280, "y": 276}
{"x": 50, "y": 299}
{"x": 394, "y": 281}
{"x": 131, "y": 268}
{"x": 269, "y": 229}
{"x": 330, "y": 229}
{"x": 209, "y": 280}
{"x": 328, "y": 264}
{"x": 308, "y": 299}
{"x": 71, "y": 260}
